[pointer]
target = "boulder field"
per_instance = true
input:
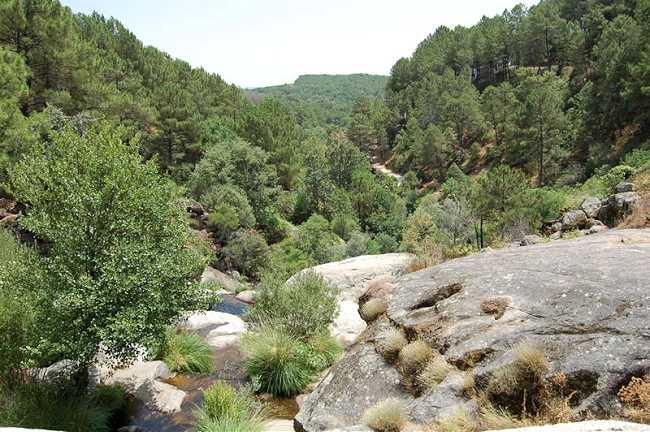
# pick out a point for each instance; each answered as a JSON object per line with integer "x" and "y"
{"x": 584, "y": 302}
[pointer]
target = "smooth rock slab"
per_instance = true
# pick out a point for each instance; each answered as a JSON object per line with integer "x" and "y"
{"x": 589, "y": 426}
{"x": 219, "y": 329}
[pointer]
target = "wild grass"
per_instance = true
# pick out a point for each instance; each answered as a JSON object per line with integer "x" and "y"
{"x": 372, "y": 309}
{"x": 389, "y": 343}
{"x": 435, "y": 371}
{"x": 60, "y": 407}
{"x": 277, "y": 361}
{"x": 414, "y": 356}
{"x": 186, "y": 352}
{"x": 386, "y": 416}
{"x": 228, "y": 410}
{"x": 460, "y": 421}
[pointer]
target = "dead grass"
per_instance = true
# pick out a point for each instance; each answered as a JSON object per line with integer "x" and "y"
{"x": 495, "y": 306}
{"x": 435, "y": 371}
{"x": 387, "y": 416}
{"x": 372, "y": 309}
{"x": 460, "y": 421}
{"x": 636, "y": 399}
{"x": 390, "y": 343}
{"x": 414, "y": 357}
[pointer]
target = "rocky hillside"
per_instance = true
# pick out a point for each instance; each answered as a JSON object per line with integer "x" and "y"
{"x": 579, "y": 306}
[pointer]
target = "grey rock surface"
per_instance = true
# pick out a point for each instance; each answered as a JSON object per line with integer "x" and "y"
{"x": 584, "y": 301}
{"x": 573, "y": 219}
{"x": 226, "y": 282}
{"x": 590, "y": 206}
{"x": 617, "y": 207}
{"x": 588, "y": 426}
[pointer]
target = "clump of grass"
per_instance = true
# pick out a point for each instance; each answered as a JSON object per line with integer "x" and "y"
{"x": 390, "y": 343}
{"x": 435, "y": 371}
{"x": 414, "y": 356}
{"x": 387, "y": 416}
{"x": 371, "y": 309}
{"x": 186, "y": 352}
{"x": 636, "y": 399}
{"x": 278, "y": 362}
{"x": 520, "y": 385}
{"x": 323, "y": 351}
{"x": 460, "y": 421}
{"x": 493, "y": 418}
{"x": 61, "y": 406}
{"x": 228, "y": 410}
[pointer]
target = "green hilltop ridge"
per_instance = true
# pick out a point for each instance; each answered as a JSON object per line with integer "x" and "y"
{"x": 325, "y": 99}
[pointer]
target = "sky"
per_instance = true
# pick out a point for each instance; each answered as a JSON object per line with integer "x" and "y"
{"x": 255, "y": 43}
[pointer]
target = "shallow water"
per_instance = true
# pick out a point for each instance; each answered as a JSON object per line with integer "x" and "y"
{"x": 228, "y": 367}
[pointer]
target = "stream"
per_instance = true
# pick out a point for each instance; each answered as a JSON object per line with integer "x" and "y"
{"x": 227, "y": 367}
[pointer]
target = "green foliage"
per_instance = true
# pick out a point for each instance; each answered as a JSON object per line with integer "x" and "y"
{"x": 186, "y": 352}
{"x": 322, "y": 351}
{"x": 302, "y": 307}
{"x": 120, "y": 257}
{"x": 277, "y": 362}
{"x": 19, "y": 274}
{"x": 325, "y": 99}
{"x": 247, "y": 252}
{"x": 638, "y": 159}
{"x": 226, "y": 409}
{"x": 61, "y": 407}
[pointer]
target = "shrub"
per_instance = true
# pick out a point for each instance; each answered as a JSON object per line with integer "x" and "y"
{"x": 186, "y": 352}
{"x": 323, "y": 350}
{"x": 247, "y": 251}
{"x": 302, "y": 307}
{"x": 228, "y": 410}
{"x": 636, "y": 399}
{"x": 387, "y": 416}
{"x": 357, "y": 245}
{"x": 277, "y": 362}
{"x": 386, "y": 243}
{"x": 638, "y": 158}
{"x": 119, "y": 244}
{"x": 373, "y": 308}
{"x": 434, "y": 373}
{"x": 390, "y": 343}
{"x": 414, "y": 356}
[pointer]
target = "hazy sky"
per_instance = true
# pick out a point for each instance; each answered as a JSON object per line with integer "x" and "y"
{"x": 265, "y": 42}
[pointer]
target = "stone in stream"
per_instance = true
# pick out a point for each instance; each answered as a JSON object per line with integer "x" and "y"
{"x": 583, "y": 302}
{"x": 351, "y": 276}
{"x": 160, "y": 396}
{"x": 226, "y": 282}
{"x": 218, "y": 328}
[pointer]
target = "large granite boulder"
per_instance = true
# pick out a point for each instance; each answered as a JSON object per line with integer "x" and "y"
{"x": 617, "y": 207}
{"x": 591, "y": 206}
{"x": 584, "y": 301}
{"x": 351, "y": 277}
{"x": 219, "y": 329}
{"x": 573, "y": 219}
{"x": 228, "y": 283}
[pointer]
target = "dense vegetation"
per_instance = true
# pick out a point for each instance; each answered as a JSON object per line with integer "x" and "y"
{"x": 325, "y": 99}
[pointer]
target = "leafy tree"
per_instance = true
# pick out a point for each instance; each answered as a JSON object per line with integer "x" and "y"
{"x": 543, "y": 119}
{"x": 119, "y": 259}
{"x": 247, "y": 252}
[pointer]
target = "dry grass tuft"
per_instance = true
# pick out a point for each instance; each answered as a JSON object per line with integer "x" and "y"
{"x": 372, "y": 309}
{"x": 434, "y": 373}
{"x": 636, "y": 399}
{"x": 495, "y": 306}
{"x": 460, "y": 421}
{"x": 414, "y": 356}
{"x": 390, "y": 343}
{"x": 531, "y": 358}
{"x": 387, "y": 416}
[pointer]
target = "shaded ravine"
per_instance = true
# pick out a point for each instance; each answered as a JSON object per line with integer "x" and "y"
{"x": 227, "y": 367}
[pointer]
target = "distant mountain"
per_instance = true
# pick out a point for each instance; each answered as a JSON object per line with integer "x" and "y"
{"x": 325, "y": 99}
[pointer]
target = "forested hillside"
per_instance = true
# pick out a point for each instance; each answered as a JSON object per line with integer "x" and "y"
{"x": 325, "y": 99}
{"x": 558, "y": 90}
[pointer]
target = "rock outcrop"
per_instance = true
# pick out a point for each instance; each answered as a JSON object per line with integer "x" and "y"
{"x": 351, "y": 276}
{"x": 583, "y": 301}
{"x": 228, "y": 283}
{"x": 588, "y": 426}
{"x": 218, "y": 328}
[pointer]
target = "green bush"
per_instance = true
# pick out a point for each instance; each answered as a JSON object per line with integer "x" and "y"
{"x": 302, "y": 307}
{"x": 638, "y": 158}
{"x": 228, "y": 410}
{"x": 358, "y": 244}
{"x": 322, "y": 351}
{"x": 60, "y": 407}
{"x": 119, "y": 260}
{"x": 247, "y": 251}
{"x": 186, "y": 352}
{"x": 386, "y": 243}
{"x": 277, "y": 362}
{"x": 19, "y": 276}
